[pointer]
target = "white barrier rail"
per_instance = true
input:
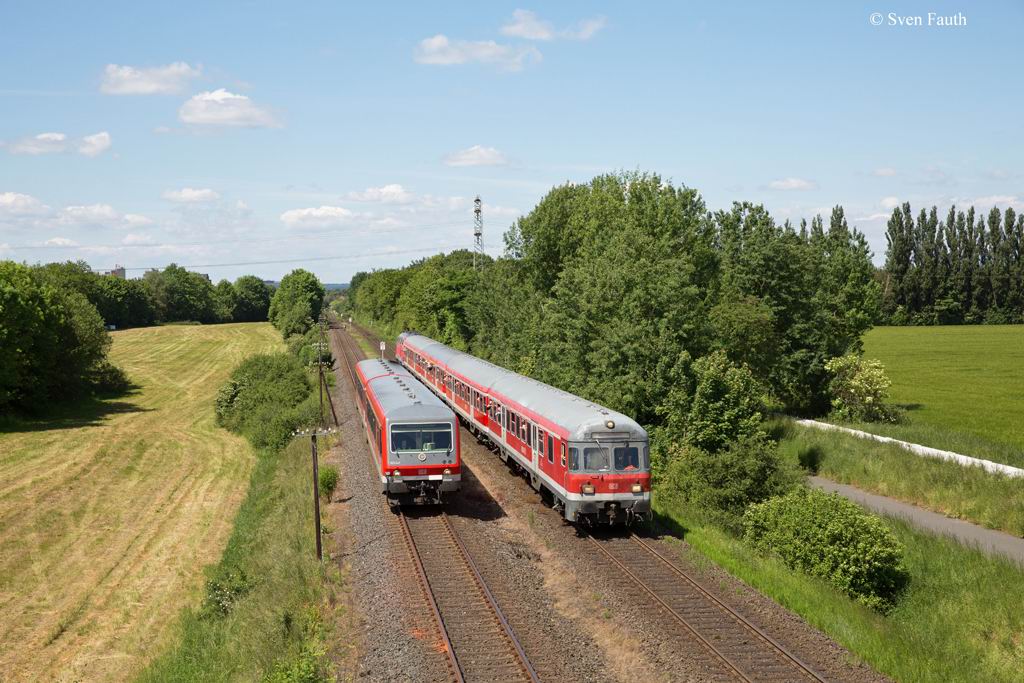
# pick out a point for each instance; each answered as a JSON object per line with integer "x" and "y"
{"x": 926, "y": 451}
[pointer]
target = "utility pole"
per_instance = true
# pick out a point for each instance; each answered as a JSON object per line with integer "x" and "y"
{"x": 478, "y": 233}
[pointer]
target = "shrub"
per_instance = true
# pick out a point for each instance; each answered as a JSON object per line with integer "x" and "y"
{"x": 263, "y": 388}
{"x": 859, "y": 389}
{"x": 223, "y": 590}
{"x": 721, "y": 485}
{"x": 830, "y": 537}
{"x": 328, "y": 480}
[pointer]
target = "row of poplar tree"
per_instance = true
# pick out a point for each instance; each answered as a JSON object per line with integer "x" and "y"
{"x": 967, "y": 267}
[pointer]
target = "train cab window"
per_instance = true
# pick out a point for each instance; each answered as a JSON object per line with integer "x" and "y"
{"x": 574, "y": 458}
{"x": 421, "y": 437}
{"x": 596, "y": 460}
{"x": 627, "y": 458}
{"x": 551, "y": 451}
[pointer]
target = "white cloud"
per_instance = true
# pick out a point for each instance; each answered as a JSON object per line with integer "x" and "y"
{"x": 1011, "y": 201}
{"x": 223, "y": 108}
{"x": 889, "y": 202}
{"x": 477, "y": 155}
{"x": 94, "y": 145}
{"x": 786, "y": 184}
{"x": 586, "y": 29}
{"x": 53, "y": 143}
{"x": 15, "y": 204}
{"x": 92, "y": 214}
{"x": 158, "y": 80}
{"x": 60, "y": 242}
{"x": 136, "y": 238}
{"x": 190, "y": 195}
{"x": 322, "y": 217}
{"x": 526, "y": 24}
{"x": 386, "y": 194}
{"x": 884, "y": 172}
{"x": 438, "y": 50}
{"x": 44, "y": 143}
{"x": 872, "y": 217}
{"x": 136, "y": 220}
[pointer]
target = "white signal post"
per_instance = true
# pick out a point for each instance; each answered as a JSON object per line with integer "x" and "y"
{"x": 383, "y": 346}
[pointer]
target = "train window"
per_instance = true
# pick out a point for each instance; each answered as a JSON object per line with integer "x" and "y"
{"x": 627, "y": 458}
{"x": 563, "y": 455}
{"x": 551, "y": 451}
{"x": 596, "y": 460}
{"x": 421, "y": 437}
{"x": 574, "y": 458}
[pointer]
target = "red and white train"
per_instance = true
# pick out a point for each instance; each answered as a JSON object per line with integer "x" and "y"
{"x": 413, "y": 436}
{"x": 593, "y": 461}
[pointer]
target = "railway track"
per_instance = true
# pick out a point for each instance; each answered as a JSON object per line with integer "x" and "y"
{"x": 472, "y": 630}
{"x": 747, "y": 652}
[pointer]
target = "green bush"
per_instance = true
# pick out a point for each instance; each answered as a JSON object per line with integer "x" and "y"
{"x": 830, "y": 537}
{"x": 328, "y": 480}
{"x": 223, "y": 590}
{"x": 262, "y": 388}
{"x": 859, "y": 388}
{"x": 720, "y": 486}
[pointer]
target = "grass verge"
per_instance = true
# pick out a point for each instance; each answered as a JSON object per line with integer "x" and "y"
{"x": 959, "y": 620}
{"x": 956, "y": 491}
{"x": 961, "y": 385}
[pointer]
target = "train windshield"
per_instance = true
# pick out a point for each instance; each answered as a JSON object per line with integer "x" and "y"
{"x": 611, "y": 457}
{"x": 421, "y": 437}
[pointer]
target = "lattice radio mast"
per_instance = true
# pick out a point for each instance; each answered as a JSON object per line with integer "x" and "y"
{"x": 478, "y": 233}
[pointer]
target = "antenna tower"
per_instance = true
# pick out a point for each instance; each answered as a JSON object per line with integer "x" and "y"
{"x": 478, "y": 233}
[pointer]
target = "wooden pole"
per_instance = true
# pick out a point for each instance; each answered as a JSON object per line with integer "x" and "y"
{"x": 316, "y": 499}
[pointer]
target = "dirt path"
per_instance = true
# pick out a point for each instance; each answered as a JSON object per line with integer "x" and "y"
{"x": 108, "y": 514}
{"x": 987, "y": 540}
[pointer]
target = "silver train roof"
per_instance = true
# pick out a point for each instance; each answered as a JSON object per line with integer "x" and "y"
{"x": 578, "y": 416}
{"x": 401, "y": 395}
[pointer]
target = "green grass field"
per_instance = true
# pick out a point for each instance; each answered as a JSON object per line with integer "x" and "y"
{"x": 110, "y": 509}
{"x": 963, "y": 387}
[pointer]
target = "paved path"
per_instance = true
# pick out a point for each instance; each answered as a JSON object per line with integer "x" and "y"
{"x": 986, "y": 540}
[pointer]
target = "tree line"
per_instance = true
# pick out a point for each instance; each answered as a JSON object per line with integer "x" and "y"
{"x": 615, "y": 288}
{"x": 964, "y": 268}
{"x": 54, "y": 319}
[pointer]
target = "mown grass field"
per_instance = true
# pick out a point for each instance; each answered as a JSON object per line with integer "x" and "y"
{"x": 110, "y": 509}
{"x": 963, "y": 387}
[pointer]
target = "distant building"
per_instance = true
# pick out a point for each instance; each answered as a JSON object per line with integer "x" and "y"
{"x": 118, "y": 271}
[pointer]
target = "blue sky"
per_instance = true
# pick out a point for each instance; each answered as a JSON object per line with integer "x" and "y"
{"x": 358, "y": 134}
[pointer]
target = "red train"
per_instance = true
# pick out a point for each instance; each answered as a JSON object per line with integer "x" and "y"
{"x": 593, "y": 462}
{"x": 413, "y": 436}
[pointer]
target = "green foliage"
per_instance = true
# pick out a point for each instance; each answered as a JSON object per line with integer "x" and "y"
{"x": 52, "y": 341}
{"x": 721, "y": 485}
{"x": 266, "y": 399}
{"x": 296, "y": 303}
{"x": 227, "y": 586}
{"x": 830, "y": 537}
{"x": 611, "y": 288}
{"x": 859, "y": 389}
{"x": 328, "y": 480}
{"x": 124, "y": 303}
{"x": 252, "y": 299}
{"x": 180, "y": 295}
{"x": 225, "y": 301}
{"x": 967, "y": 268}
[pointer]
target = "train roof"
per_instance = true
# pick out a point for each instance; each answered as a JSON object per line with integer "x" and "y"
{"x": 401, "y": 396}
{"x": 578, "y": 416}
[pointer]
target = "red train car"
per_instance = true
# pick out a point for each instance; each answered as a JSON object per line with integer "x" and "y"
{"x": 413, "y": 435}
{"x": 593, "y": 461}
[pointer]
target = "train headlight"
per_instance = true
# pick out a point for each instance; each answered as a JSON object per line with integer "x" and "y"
{"x": 446, "y": 471}
{"x": 637, "y": 488}
{"x": 587, "y": 488}
{"x": 395, "y": 473}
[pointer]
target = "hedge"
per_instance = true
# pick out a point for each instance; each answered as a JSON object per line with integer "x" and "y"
{"x": 828, "y": 536}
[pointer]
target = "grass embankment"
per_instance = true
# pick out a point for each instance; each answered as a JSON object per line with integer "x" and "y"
{"x": 961, "y": 618}
{"x": 265, "y": 615}
{"x": 962, "y": 386}
{"x": 109, "y": 509}
{"x": 951, "y": 489}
